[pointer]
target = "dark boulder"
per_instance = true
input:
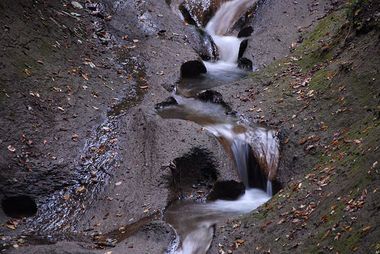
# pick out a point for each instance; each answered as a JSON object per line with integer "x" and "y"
{"x": 166, "y": 103}
{"x": 211, "y": 96}
{"x": 192, "y": 69}
{"x": 214, "y": 97}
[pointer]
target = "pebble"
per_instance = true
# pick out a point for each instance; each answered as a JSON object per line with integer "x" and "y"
{"x": 77, "y": 5}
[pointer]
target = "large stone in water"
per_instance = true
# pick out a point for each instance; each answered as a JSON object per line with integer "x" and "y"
{"x": 211, "y": 96}
{"x": 192, "y": 69}
{"x": 166, "y": 103}
{"x": 214, "y": 97}
{"x": 203, "y": 44}
{"x": 199, "y": 13}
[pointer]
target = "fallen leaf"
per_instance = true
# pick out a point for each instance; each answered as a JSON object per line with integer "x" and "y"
{"x": 239, "y": 242}
{"x": 81, "y": 189}
{"x": 366, "y": 229}
{"x": 85, "y": 76}
{"x": 27, "y": 72}
{"x": 11, "y": 148}
{"x": 75, "y": 137}
{"x": 10, "y": 226}
{"x": 77, "y": 5}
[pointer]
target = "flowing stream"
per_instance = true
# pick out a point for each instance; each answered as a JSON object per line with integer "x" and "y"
{"x": 254, "y": 149}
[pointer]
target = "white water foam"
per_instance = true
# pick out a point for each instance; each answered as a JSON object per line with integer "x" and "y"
{"x": 202, "y": 217}
{"x": 228, "y": 47}
{"x": 227, "y": 15}
{"x": 251, "y": 199}
{"x": 269, "y": 188}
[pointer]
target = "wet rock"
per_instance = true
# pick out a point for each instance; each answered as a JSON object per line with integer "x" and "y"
{"x": 257, "y": 175}
{"x": 202, "y": 43}
{"x": 186, "y": 15}
{"x": 242, "y": 48}
{"x": 265, "y": 147}
{"x": 245, "y": 32}
{"x": 245, "y": 64}
{"x": 168, "y": 102}
{"x": 213, "y": 97}
{"x": 199, "y": 12}
{"x": 226, "y": 190}
{"x": 192, "y": 69}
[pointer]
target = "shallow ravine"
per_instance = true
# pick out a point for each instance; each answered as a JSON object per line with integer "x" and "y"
{"x": 254, "y": 150}
{"x": 322, "y": 98}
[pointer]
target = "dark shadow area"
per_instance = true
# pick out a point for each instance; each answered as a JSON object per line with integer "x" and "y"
{"x": 245, "y": 32}
{"x": 192, "y": 69}
{"x": 19, "y": 206}
{"x": 195, "y": 172}
{"x": 257, "y": 179}
{"x": 227, "y": 190}
{"x": 245, "y": 64}
{"x": 186, "y": 15}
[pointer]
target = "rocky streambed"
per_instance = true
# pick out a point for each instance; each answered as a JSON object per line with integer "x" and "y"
{"x": 88, "y": 165}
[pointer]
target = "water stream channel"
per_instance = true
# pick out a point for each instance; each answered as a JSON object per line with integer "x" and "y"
{"x": 254, "y": 149}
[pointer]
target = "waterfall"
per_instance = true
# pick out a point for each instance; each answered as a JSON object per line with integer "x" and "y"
{"x": 255, "y": 150}
{"x": 240, "y": 151}
{"x": 228, "y": 46}
{"x": 227, "y": 15}
{"x": 221, "y": 23}
{"x": 269, "y": 188}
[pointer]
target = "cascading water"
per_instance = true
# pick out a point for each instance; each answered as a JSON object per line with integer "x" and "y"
{"x": 220, "y": 24}
{"x": 240, "y": 150}
{"x": 227, "y": 15}
{"x": 226, "y": 68}
{"x": 228, "y": 46}
{"x": 194, "y": 222}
